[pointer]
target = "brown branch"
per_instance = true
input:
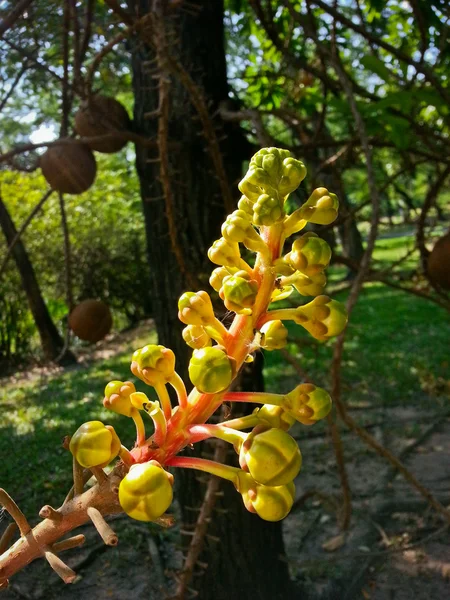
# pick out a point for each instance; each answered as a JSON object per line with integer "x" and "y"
{"x": 7, "y": 537}
{"x": 60, "y": 567}
{"x": 21, "y": 231}
{"x": 201, "y": 526}
{"x": 13, "y": 86}
{"x": 399, "y": 54}
{"x": 106, "y": 533}
{"x": 395, "y": 462}
{"x": 366, "y": 258}
{"x": 16, "y": 12}
{"x": 129, "y": 136}
{"x": 9, "y": 505}
{"x": 87, "y": 29}
{"x": 41, "y": 539}
{"x": 72, "y": 542}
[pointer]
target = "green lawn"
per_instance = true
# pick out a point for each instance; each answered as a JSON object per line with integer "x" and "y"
{"x": 396, "y": 345}
{"x": 35, "y": 416}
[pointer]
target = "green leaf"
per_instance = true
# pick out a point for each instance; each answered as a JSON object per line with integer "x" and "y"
{"x": 377, "y": 66}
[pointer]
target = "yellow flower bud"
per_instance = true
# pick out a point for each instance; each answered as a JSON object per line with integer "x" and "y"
{"x": 272, "y": 170}
{"x": 271, "y": 456}
{"x": 312, "y": 285}
{"x": 196, "y": 337}
{"x": 246, "y": 205}
{"x": 275, "y": 416}
{"x": 239, "y": 229}
{"x": 307, "y": 403}
{"x": 145, "y": 493}
{"x": 321, "y": 207}
{"x": 322, "y": 317}
{"x": 153, "y": 364}
{"x": 210, "y": 370}
{"x": 293, "y": 173}
{"x": 218, "y": 275}
{"x": 267, "y": 210}
{"x": 274, "y": 503}
{"x": 195, "y": 308}
{"x": 94, "y": 444}
{"x": 310, "y": 254}
{"x": 239, "y": 293}
{"x": 270, "y": 503}
{"x": 117, "y": 397}
{"x": 224, "y": 253}
{"x": 274, "y": 335}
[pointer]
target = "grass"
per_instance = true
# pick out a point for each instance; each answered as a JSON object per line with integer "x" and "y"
{"x": 397, "y": 345}
{"x": 36, "y": 415}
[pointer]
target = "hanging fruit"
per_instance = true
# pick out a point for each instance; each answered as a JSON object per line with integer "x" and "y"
{"x": 91, "y": 320}
{"x": 99, "y": 116}
{"x": 438, "y": 265}
{"x": 69, "y": 168}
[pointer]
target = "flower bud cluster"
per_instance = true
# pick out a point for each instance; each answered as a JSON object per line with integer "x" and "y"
{"x": 269, "y": 457}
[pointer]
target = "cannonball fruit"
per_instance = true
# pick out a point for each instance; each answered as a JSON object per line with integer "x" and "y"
{"x": 100, "y": 116}
{"x": 69, "y": 168}
{"x": 438, "y": 265}
{"x": 91, "y": 320}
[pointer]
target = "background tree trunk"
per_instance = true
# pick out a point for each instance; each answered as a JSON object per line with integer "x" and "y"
{"x": 245, "y": 563}
{"x": 51, "y": 341}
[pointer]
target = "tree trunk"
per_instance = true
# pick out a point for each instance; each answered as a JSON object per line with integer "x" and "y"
{"x": 51, "y": 342}
{"x": 245, "y": 563}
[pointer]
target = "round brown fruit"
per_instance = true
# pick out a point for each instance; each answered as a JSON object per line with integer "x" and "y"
{"x": 91, "y": 320}
{"x": 438, "y": 265}
{"x": 69, "y": 168}
{"x": 102, "y": 115}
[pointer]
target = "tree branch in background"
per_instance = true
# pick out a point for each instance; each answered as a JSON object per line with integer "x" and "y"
{"x": 17, "y": 11}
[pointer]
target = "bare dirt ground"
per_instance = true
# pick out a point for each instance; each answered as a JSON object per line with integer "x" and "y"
{"x": 397, "y": 547}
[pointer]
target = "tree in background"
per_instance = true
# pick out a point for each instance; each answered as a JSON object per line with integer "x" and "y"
{"x": 358, "y": 90}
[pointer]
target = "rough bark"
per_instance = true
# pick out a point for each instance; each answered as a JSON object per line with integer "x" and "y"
{"x": 245, "y": 562}
{"x": 51, "y": 341}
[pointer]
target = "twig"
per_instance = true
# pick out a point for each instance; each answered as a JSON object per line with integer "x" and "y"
{"x": 78, "y": 481}
{"x": 106, "y": 533}
{"x": 122, "y": 135}
{"x": 60, "y": 567}
{"x": 72, "y": 542}
{"x": 9, "y": 505}
{"x": 16, "y": 12}
{"x": 201, "y": 527}
{"x": 7, "y": 536}
{"x": 21, "y": 231}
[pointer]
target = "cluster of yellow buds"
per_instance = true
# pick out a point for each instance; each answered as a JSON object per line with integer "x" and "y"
{"x": 269, "y": 457}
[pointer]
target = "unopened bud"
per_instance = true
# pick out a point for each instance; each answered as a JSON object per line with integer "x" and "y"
{"x": 312, "y": 285}
{"x": 210, "y": 370}
{"x": 274, "y": 335}
{"x": 196, "y": 337}
{"x": 321, "y": 207}
{"x": 308, "y": 403}
{"x": 271, "y": 456}
{"x": 239, "y": 293}
{"x": 153, "y": 364}
{"x": 195, "y": 308}
{"x": 94, "y": 444}
{"x": 224, "y": 253}
{"x": 322, "y": 317}
{"x": 145, "y": 493}
{"x": 117, "y": 397}
{"x": 267, "y": 210}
